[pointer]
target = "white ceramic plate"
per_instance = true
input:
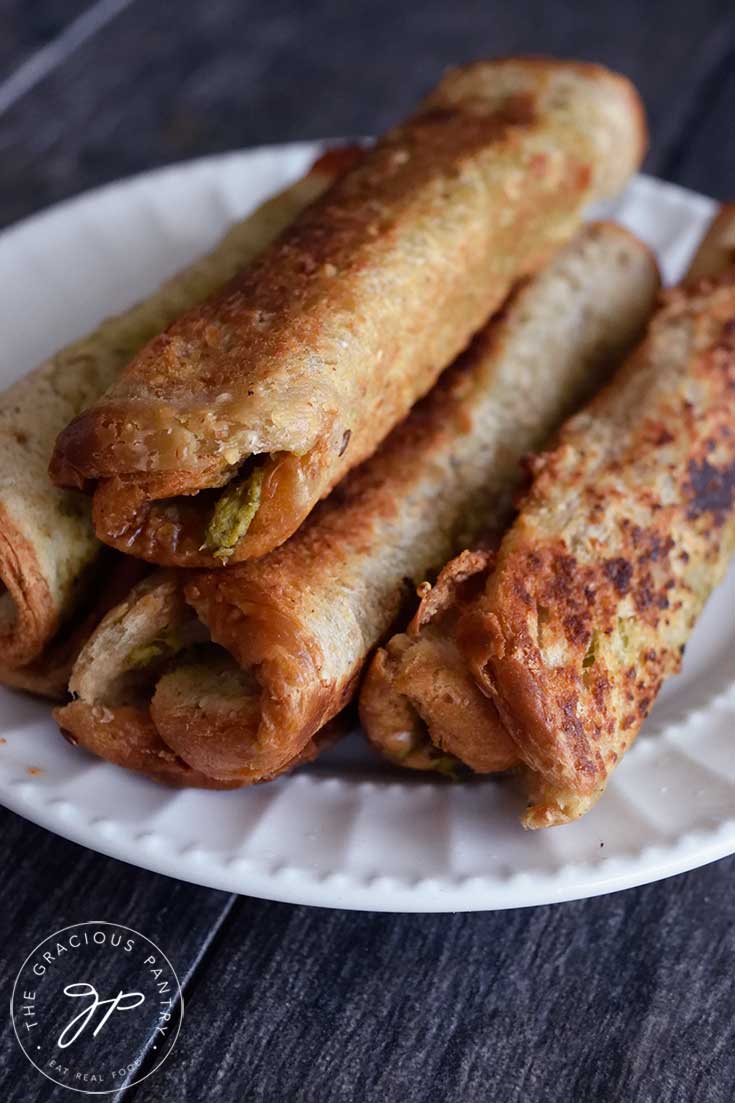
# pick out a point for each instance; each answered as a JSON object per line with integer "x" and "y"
{"x": 348, "y": 831}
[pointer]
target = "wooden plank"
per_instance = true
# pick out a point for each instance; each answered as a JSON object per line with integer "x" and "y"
{"x": 624, "y": 997}
{"x": 151, "y": 88}
{"x": 704, "y": 156}
{"x": 49, "y": 884}
{"x": 26, "y": 28}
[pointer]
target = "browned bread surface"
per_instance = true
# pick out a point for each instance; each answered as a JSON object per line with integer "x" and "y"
{"x": 48, "y": 549}
{"x": 628, "y": 527}
{"x": 557, "y": 340}
{"x": 282, "y": 640}
{"x": 310, "y": 356}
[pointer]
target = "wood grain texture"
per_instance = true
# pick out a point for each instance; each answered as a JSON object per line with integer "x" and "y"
{"x": 703, "y": 156}
{"x": 49, "y": 883}
{"x": 26, "y": 28}
{"x": 162, "y": 82}
{"x": 620, "y": 998}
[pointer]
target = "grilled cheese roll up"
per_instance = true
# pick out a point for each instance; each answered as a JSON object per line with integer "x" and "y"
{"x": 107, "y": 582}
{"x": 224, "y": 432}
{"x": 134, "y": 640}
{"x": 419, "y": 705}
{"x": 628, "y": 527}
{"x": 48, "y": 549}
{"x": 238, "y": 669}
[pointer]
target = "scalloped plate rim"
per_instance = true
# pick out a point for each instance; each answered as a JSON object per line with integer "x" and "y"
{"x": 279, "y": 880}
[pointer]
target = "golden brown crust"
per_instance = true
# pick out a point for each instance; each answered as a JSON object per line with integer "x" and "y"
{"x": 300, "y": 623}
{"x": 29, "y": 615}
{"x": 209, "y": 713}
{"x": 628, "y": 527}
{"x": 127, "y": 736}
{"x": 304, "y": 617}
{"x": 48, "y": 549}
{"x": 48, "y": 675}
{"x": 291, "y": 698}
{"x": 418, "y": 701}
{"x": 320, "y": 347}
{"x": 625, "y": 129}
{"x": 119, "y": 671}
{"x": 558, "y": 338}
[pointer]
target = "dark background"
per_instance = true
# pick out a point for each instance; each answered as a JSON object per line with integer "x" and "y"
{"x": 621, "y": 998}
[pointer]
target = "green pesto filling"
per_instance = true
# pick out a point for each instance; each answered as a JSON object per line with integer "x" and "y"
{"x": 162, "y": 647}
{"x": 447, "y": 765}
{"x": 233, "y": 514}
{"x": 425, "y": 756}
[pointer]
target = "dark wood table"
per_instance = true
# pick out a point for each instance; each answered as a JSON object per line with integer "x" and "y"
{"x": 621, "y": 998}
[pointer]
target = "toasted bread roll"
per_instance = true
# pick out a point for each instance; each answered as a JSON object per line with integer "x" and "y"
{"x": 47, "y": 544}
{"x": 107, "y": 582}
{"x": 135, "y": 638}
{"x": 419, "y": 704}
{"x": 628, "y": 527}
{"x": 224, "y": 432}
{"x": 129, "y": 738}
{"x": 240, "y": 668}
